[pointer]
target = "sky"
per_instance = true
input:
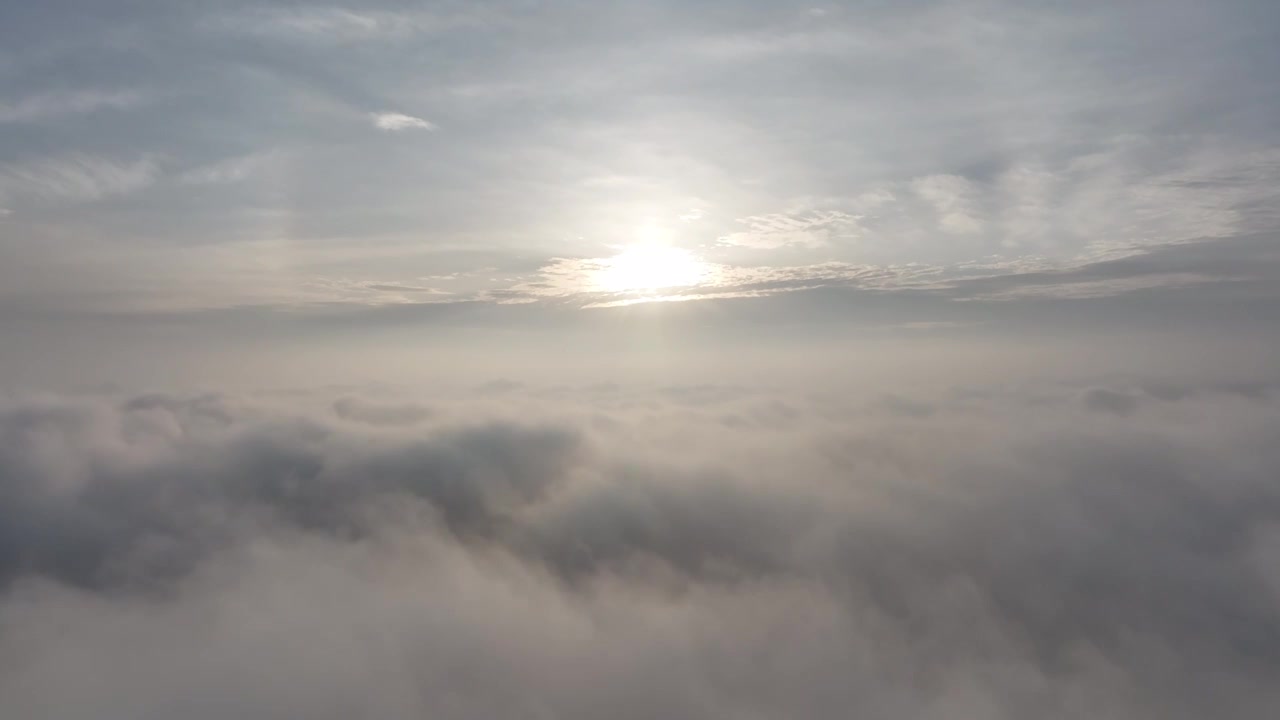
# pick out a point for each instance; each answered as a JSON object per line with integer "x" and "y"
{"x": 266, "y": 179}
{"x": 567, "y": 359}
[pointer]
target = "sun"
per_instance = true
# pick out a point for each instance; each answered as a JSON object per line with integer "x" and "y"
{"x": 650, "y": 266}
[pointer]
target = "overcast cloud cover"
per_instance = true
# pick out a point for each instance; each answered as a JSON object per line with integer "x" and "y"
{"x": 698, "y": 551}
{"x": 718, "y": 359}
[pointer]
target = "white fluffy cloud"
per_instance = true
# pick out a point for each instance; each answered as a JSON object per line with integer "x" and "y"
{"x": 394, "y": 121}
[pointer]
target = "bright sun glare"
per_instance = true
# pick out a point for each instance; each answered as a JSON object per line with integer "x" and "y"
{"x": 650, "y": 266}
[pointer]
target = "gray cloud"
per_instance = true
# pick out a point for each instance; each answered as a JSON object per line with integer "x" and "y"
{"x": 1110, "y": 401}
{"x": 380, "y": 413}
{"x": 987, "y": 556}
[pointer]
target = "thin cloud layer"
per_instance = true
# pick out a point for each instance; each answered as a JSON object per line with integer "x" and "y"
{"x": 936, "y": 134}
{"x": 75, "y": 177}
{"x": 47, "y": 106}
{"x": 684, "y": 551}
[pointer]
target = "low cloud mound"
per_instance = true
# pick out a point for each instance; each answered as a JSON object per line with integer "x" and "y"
{"x": 1055, "y": 552}
{"x": 357, "y": 409}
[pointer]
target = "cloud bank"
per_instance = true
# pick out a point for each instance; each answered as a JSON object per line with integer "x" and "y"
{"x": 1048, "y": 550}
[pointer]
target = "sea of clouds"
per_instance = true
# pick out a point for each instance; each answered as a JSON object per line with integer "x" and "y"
{"x": 1050, "y": 550}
